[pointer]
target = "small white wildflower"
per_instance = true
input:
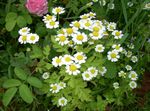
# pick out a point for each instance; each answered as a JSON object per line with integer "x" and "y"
{"x": 102, "y": 71}
{"x": 58, "y": 10}
{"x": 55, "y": 88}
{"x": 57, "y": 61}
{"x": 113, "y": 56}
{"x": 117, "y": 34}
{"x": 122, "y": 74}
{"x": 24, "y": 31}
{"x": 133, "y": 75}
{"x": 111, "y": 5}
{"x": 116, "y": 85}
{"x": 87, "y": 76}
{"x": 99, "y": 48}
{"x": 73, "y": 69}
{"x": 93, "y": 71}
{"x": 62, "y": 101}
{"x": 32, "y": 38}
{"x": 133, "y": 84}
{"x": 134, "y": 59}
{"x": 128, "y": 67}
{"x": 80, "y": 57}
{"x": 45, "y": 75}
{"x": 62, "y": 85}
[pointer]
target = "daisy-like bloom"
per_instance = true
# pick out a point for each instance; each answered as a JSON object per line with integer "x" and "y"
{"x": 128, "y": 54}
{"x": 55, "y": 88}
{"x": 96, "y": 35}
{"x": 24, "y": 31}
{"x": 111, "y": 26}
{"x": 92, "y": 15}
{"x": 57, "y": 61}
{"x": 49, "y": 18}
{"x": 79, "y": 38}
{"x": 102, "y": 71}
{"x": 122, "y": 74}
{"x": 45, "y": 75}
{"x": 99, "y": 48}
{"x": 32, "y": 38}
{"x": 76, "y": 24}
{"x": 62, "y": 39}
{"x": 133, "y": 75}
{"x": 71, "y": 43}
{"x": 87, "y": 76}
{"x": 117, "y": 34}
{"x": 133, "y": 84}
{"x": 84, "y": 16}
{"x": 86, "y": 24}
{"x": 52, "y": 24}
{"x": 67, "y": 59}
{"x": 117, "y": 47}
{"x": 23, "y": 39}
{"x": 128, "y": 67}
{"x": 147, "y": 6}
{"x": 124, "y": 52}
{"x": 111, "y": 5}
{"x": 134, "y": 59}
{"x": 73, "y": 69}
{"x": 62, "y": 101}
{"x": 93, "y": 71}
{"x": 113, "y": 56}
{"x": 62, "y": 85}
{"x": 70, "y": 31}
{"x": 116, "y": 85}
{"x": 97, "y": 28}
{"x": 58, "y": 10}
{"x": 131, "y": 46}
{"x": 80, "y": 57}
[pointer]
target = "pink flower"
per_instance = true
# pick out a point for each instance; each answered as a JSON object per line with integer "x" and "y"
{"x": 37, "y": 7}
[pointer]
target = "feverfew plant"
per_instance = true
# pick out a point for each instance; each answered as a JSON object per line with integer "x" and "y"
{"x": 82, "y": 61}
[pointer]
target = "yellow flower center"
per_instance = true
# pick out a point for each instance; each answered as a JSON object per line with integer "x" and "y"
{"x": 117, "y": 33}
{"x": 52, "y": 23}
{"x": 54, "y": 87}
{"x": 99, "y": 48}
{"x": 24, "y": 38}
{"x": 69, "y": 30}
{"x": 133, "y": 76}
{"x": 32, "y": 38}
{"x": 62, "y": 101}
{"x": 80, "y": 57}
{"x": 80, "y": 37}
{"x": 113, "y": 55}
{"x": 96, "y": 34}
{"x": 117, "y": 47}
{"x": 92, "y": 71}
{"x": 87, "y": 24}
{"x": 96, "y": 29}
{"x": 67, "y": 59}
{"x": 24, "y": 30}
{"x": 58, "y": 61}
{"x": 58, "y": 10}
{"x": 87, "y": 75}
{"x": 70, "y": 42}
{"x": 73, "y": 67}
{"x": 77, "y": 24}
{"x": 84, "y": 17}
{"x": 48, "y": 17}
{"x": 62, "y": 38}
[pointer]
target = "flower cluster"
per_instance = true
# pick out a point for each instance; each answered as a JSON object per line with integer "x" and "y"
{"x": 55, "y": 88}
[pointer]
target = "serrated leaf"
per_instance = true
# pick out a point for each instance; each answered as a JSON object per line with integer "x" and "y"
{"x": 46, "y": 50}
{"x": 25, "y": 93}
{"x": 20, "y": 73}
{"x": 34, "y": 82}
{"x": 10, "y": 25}
{"x": 11, "y": 83}
{"x": 37, "y": 52}
{"x": 21, "y": 22}
{"x": 8, "y": 95}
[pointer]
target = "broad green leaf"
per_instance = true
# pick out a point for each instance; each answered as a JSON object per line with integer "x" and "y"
{"x": 37, "y": 52}
{"x": 20, "y": 73}
{"x": 11, "y": 16}
{"x": 8, "y": 95}
{"x": 34, "y": 82}
{"x": 25, "y": 93}
{"x": 10, "y": 25}
{"x": 21, "y": 22}
{"x": 28, "y": 19}
{"x": 11, "y": 83}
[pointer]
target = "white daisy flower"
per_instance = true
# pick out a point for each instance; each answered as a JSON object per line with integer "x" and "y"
{"x": 45, "y": 75}
{"x": 134, "y": 59}
{"x": 84, "y": 16}
{"x": 76, "y": 24}
{"x": 111, "y": 5}
{"x": 24, "y": 31}
{"x": 79, "y": 38}
{"x": 73, "y": 69}
{"x": 133, "y": 84}
{"x": 117, "y": 47}
{"x": 87, "y": 76}
{"x": 97, "y": 28}
{"x": 117, "y": 34}
{"x": 62, "y": 39}
{"x": 70, "y": 31}
{"x": 102, "y": 71}
{"x": 62, "y": 101}
{"x": 122, "y": 74}
{"x": 128, "y": 67}
{"x": 52, "y": 24}
{"x": 113, "y": 56}
{"x": 93, "y": 71}
{"x": 57, "y": 61}
{"x": 128, "y": 54}
{"x": 58, "y": 10}
{"x": 67, "y": 59}
{"x": 80, "y": 57}
{"x": 111, "y": 26}
{"x": 99, "y": 48}
{"x": 62, "y": 85}
{"x": 133, "y": 75}
{"x": 116, "y": 85}
{"x": 147, "y": 6}
{"x": 86, "y": 24}
{"x": 49, "y": 18}
{"x": 71, "y": 43}
{"x": 32, "y": 38}
{"x": 92, "y": 15}
{"x": 22, "y": 39}
{"x": 55, "y": 88}
{"x": 96, "y": 35}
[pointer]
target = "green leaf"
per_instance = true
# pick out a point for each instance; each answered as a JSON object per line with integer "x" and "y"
{"x": 11, "y": 16}
{"x": 8, "y": 95}
{"x": 46, "y": 50}
{"x": 11, "y": 83}
{"x": 37, "y": 52}
{"x": 20, "y": 73}
{"x": 28, "y": 19}
{"x": 10, "y": 25}
{"x": 34, "y": 82}
{"x": 25, "y": 93}
{"x": 21, "y": 22}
